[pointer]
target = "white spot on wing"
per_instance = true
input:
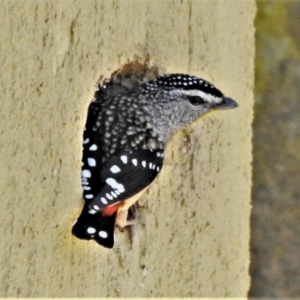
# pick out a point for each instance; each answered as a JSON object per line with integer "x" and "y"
{"x": 115, "y": 169}
{"x": 89, "y": 196}
{"x": 144, "y": 163}
{"x": 86, "y": 141}
{"x": 86, "y": 173}
{"x": 108, "y": 196}
{"x": 103, "y": 234}
{"x": 93, "y": 147}
{"x": 103, "y": 200}
{"x": 115, "y": 185}
{"x": 134, "y": 161}
{"x": 91, "y": 162}
{"x": 91, "y": 230}
{"x": 124, "y": 159}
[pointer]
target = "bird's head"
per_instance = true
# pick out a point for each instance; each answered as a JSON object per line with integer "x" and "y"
{"x": 177, "y": 100}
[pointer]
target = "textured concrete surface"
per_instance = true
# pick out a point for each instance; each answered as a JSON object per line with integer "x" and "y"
{"x": 193, "y": 235}
{"x": 275, "y": 222}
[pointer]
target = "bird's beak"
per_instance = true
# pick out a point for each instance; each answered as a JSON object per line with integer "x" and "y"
{"x": 227, "y": 103}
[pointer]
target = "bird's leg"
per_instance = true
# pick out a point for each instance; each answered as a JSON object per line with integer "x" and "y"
{"x": 127, "y": 214}
{"x": 127, "y": 217}
{"x": 129, "y": 204}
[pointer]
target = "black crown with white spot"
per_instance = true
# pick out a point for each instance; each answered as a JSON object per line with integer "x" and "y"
{"x": 184, "y": 82}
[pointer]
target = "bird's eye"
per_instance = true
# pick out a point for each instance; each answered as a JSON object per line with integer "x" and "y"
{"x": 195, "y": 100}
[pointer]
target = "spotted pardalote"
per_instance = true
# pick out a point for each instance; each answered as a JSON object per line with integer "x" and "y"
{"x": 124, "y": 141}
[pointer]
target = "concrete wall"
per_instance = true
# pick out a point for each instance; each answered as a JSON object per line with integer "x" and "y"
{"x": 193, "y": 236}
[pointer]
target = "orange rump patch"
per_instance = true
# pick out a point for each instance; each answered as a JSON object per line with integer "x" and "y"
{"x": 109, "y": 210}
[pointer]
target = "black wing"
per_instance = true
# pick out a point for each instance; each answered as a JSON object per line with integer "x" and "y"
{"x": 93, "y": 226}
{"x": 124, "y": 175}
{"x": 97, "y": 227}
{"x": 92, "y": 155}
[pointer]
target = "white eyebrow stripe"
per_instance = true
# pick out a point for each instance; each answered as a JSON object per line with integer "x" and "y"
{"x": 205, "y": 96}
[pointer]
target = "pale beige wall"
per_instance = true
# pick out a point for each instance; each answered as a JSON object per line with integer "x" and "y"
{"x": 193, "y": 235}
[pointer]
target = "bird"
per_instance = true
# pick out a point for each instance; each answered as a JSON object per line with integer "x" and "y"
{"x": 125, "y": 136}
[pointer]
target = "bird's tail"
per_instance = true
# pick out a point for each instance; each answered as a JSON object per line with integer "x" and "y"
{"x": 95, "y": 227}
